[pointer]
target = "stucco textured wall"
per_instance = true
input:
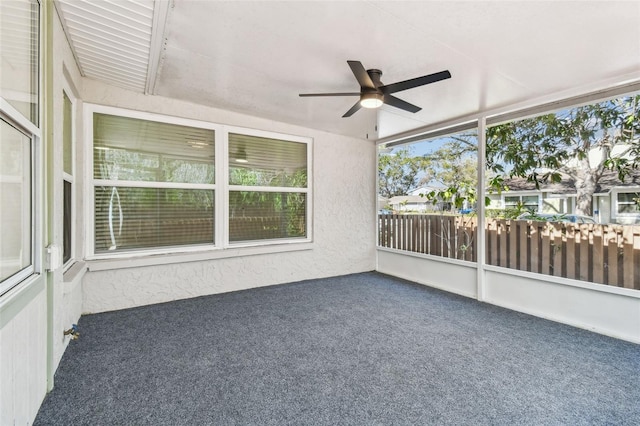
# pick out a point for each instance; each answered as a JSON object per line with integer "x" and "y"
{"x": 343, "y": 215}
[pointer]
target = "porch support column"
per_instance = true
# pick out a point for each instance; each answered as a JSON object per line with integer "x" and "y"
{"x": 481, "y": 235}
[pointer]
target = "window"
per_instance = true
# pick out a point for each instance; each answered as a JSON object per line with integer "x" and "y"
{"x": 163, "y": 184}
{"x": 628, "y": 203}
{"x": 68, "y": 202}
{"x": 526, "y": 202}
{"x": 154, "y": 184}
{"x": 19, "y": 133}
{"x": 267, "y": 188}
{"x": 19, "y": 41}
{"x": 16, "y": 194}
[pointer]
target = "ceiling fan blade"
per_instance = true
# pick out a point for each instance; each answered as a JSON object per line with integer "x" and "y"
{"x": 399, "y": 103}
{"x": 329, "y": 94}
{"x": 353, "y": 109}
{"x": 361, "y": 74}
{"x": 414, "y": 82}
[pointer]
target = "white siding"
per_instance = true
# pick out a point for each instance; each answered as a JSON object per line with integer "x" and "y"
{"x": 23, "y": 353}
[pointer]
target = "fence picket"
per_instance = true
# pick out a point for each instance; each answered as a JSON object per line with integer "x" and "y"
{"x": 502, "y": 242}
{"x": 545, "y": 248}
{"x": 627, "y": 263}
{"x": 584, "y": 239}
{"x": 597, "y": 255}
{"x": 612, "y": 258}
{"x": 604, "y": 254}
{"x": 512, "y": 257}
{"x": 492, "y": 238}
{"x": 523, "y": 244}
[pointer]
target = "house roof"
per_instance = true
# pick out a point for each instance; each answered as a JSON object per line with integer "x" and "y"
{"x": 607, "y": 182}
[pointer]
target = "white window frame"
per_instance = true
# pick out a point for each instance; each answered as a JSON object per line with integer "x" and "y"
{"x": 520, "y": 195}
{"x": 221, "y": 187}
{"x": 71, "y": 178}
{"x": 615, "y": 205}
{"x": 227, "y": 187}
{"x": 34, "y": 132}
{"x": 29, "y": 130}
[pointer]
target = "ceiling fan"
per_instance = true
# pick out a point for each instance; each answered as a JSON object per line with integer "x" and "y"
{"x": 373, "y": 93}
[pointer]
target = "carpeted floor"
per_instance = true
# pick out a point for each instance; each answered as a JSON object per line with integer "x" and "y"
{"x": 364, "y": 349}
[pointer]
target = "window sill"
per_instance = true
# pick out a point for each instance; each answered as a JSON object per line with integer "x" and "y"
{"x": 73, "y": 276}
{"x": 131, "y": 260}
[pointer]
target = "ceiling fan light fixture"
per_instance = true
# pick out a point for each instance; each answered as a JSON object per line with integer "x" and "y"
{"x": 371, "y": 100}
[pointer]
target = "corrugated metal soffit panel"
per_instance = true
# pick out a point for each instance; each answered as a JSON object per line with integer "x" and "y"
{"x": 118, "y": 42}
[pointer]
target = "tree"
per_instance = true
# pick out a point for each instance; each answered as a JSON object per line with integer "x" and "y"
{"x": 453, "y": 168}
{"x": 399, "y": 172}
{"x": 580, "y": 143}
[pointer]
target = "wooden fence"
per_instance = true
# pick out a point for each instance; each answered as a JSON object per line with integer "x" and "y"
{"x": 448, "y": 236}
{"x": 604, "y": 254}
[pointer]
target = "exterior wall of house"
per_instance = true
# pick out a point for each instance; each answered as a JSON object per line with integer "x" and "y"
{"x": 552, "y": 205}
{"x": 344, "y": 212}
{"x": 603, "y": 206}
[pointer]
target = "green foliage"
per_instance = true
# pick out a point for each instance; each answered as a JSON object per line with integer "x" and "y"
{"x": 454, "y": 162}
{"x": 548, "y": 142}
{"x": 544, "y": 148}
{"x": 398, "y": 172}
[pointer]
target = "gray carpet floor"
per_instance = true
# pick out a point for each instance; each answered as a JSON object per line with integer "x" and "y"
{"x": 364, "y": 349}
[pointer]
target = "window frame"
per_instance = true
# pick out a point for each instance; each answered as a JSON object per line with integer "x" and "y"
{"x": 616, "y": 203}
{"x": 71, "y": 179}
{"x": 32, "y": 129}
{"x": 31, "y": 269}
{"x": 228, "y": 188}
{"x": 520, "y": 195}
{"x": 221, "y": 186}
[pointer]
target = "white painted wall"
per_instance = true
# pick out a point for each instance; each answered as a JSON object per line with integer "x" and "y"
{"x": 23, "y": 352}
{"x": 455, "y": 277}
{"x": 607, "y": 310}
{"x": 343, "y": 220}
{"x": 614, "y": 313}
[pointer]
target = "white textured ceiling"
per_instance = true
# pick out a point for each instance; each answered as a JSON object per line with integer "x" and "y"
{"x": 256, "y": 57}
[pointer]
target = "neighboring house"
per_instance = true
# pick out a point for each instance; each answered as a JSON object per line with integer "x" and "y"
{"x": 613, "y": 201}
{"x": 417, "y": 201}
{"x": 409, "y": 203}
